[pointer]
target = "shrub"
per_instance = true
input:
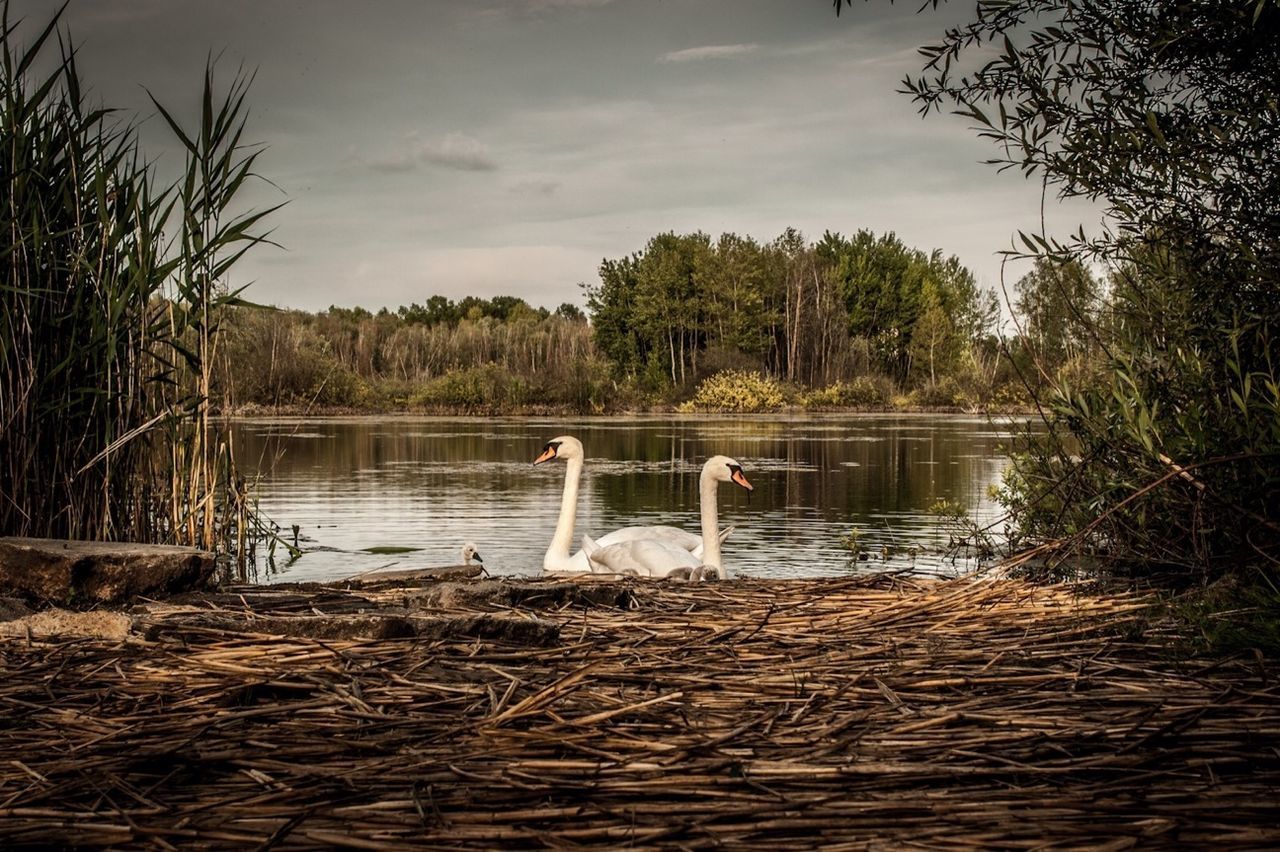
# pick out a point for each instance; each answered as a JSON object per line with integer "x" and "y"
{"x": 737, "y": 390}
{"x": 944, "y": 393}
{"x": 863, "y": 391}
{"x": 482, "y": 388}
{"x": 1011, "y": 395}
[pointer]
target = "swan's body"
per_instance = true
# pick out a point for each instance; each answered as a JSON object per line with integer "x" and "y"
{"x": 672, "y": 535}
{"x": 558, "y": 558}
{"x": 662, "y": 558}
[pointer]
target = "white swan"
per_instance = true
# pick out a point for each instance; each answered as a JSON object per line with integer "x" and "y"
{"x": 558, "y": 558}
{"x": 659, "y": 558}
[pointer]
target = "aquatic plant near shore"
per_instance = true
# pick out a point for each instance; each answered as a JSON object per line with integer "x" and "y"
{"x": 112, "y": 288}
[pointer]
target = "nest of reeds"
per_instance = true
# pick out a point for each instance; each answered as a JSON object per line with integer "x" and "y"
{"x": 831, "y": 713}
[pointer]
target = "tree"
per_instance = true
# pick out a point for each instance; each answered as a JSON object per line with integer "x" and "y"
{"x": 570, "y": 311}
{"x": 612, "y": 306}
{"x": 1058, "y": 306}
{"x": 932, "y": 336}
{"x": 1165, "y": 113}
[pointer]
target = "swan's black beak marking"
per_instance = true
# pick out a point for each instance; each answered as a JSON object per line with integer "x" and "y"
{"x": 548, "y": 452}
{"x": 740, "y": 478}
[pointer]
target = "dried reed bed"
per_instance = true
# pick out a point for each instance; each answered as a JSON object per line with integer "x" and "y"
{"x": 835, "y": 713}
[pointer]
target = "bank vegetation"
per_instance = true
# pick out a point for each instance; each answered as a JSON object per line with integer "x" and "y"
{"x": 112, "y": 296}
{"x": 732, "y": 324}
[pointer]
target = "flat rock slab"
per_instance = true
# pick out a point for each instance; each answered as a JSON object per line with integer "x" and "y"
{"x": 12, "y": 608}
{"x": 489, "y": 627}
{"x": 406, "y": 576}
{"x": 86, "y": 573}
{"x": 298, "y": 626}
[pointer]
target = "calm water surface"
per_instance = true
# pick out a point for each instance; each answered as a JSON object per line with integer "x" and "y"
{"x": 436, "y": 483}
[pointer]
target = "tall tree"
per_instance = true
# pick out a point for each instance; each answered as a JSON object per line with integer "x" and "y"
{"x": 1058, "y": 306}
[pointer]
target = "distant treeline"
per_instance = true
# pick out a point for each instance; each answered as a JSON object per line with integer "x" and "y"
{"x": 473, "y": 355}
{"x": 862, "y": 320}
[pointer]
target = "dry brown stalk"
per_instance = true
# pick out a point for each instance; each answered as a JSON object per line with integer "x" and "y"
{"x": 793, "y": 714}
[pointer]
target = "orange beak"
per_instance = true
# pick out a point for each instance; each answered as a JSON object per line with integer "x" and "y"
{"x": 741, "y": 479}
{"x": 547, "y": 455}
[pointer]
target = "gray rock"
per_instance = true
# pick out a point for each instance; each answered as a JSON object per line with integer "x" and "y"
{"x": 86, "y": 573}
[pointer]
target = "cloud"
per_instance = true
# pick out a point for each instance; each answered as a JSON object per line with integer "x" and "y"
{"x": 454, "y": 151}
{"x": 393, "y": 163}
{"x": 534, "y": 187}
{"x": 710, "y": 51}
{"x": 504, "y": 9}
{"x": 544, "y": 5}
{"x": 544, "y": 274}
{"x": 459, "y": 151}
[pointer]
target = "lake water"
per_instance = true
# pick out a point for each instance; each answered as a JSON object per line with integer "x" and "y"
{"x": 435, "y": 483}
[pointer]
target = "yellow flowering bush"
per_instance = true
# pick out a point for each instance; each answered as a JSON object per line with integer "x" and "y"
{"x": 737, "y": 390}
{"x": 861, "y": 391}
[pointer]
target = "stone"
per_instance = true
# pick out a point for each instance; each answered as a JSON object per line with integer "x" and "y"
{"x": 407, "y": 576}
{"x": 490, "y": 627}
{"x": 376, "y": 626}
{"x": 494, "y": 627}
{"x": 88, "y": 573}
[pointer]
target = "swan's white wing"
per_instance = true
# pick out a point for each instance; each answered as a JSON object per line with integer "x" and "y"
{"x": 642, "y": 557}
{"x": 724, "y": 533}
{"x": 673, "y": 535}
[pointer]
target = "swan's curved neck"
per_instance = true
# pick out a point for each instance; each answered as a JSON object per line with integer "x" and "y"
{"x": 710, "y": 520}
{"x": 563, "y": 538}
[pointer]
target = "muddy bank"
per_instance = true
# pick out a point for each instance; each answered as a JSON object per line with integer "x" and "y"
{"x": 792, "y": 714}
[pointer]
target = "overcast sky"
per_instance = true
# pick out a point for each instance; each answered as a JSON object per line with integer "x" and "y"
{"x": 476, "y": 147}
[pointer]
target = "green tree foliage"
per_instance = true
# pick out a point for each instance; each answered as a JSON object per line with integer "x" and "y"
{"x": 812, "y": 314}
{"x": 1061, "y": 322}
{"x": 1166, "y": 113}
{"x": 889, "y": 288}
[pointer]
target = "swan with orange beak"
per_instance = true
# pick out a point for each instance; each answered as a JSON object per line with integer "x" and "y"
{"x": 657, "y": 558}
{"x": 558, "y": 558}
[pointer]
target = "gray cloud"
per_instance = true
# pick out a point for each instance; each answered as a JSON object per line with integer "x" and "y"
{"x": 454, "y": 151}
{"x": 710, "y": 51}
{"x": 458, "y": 151}
{"x": 535, "y": 187}
{"x": 392, "y": 163}
{"x": 544, "y": 5}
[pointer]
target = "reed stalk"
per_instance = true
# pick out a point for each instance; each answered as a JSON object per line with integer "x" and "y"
{"x": 112, "y": 286}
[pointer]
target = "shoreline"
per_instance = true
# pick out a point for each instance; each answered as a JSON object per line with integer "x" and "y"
{"x": 253, "y": 411}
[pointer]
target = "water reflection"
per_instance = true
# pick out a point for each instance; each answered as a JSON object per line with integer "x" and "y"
{"x": 435, "y": 483}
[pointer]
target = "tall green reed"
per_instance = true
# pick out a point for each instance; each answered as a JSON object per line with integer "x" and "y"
{"x": 111, "y": 287}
